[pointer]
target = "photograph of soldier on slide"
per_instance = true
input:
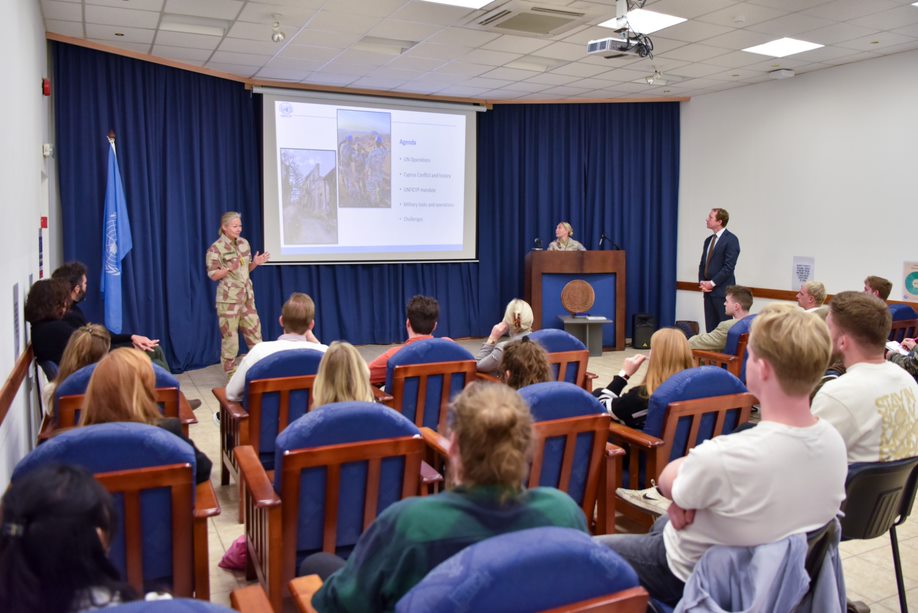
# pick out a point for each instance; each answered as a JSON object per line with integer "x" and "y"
{"x": 309, "y": 186}
{"x": 364, "y": 159}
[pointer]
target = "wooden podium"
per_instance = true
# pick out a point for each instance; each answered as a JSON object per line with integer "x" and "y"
{"x": 547, "y": 272}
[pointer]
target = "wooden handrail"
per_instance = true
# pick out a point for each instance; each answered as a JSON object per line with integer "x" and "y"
{"x": 14, "y": 382}
{"x": 776, "y": 294}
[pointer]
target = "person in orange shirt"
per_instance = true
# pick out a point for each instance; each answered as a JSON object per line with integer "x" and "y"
{"x": 423, "y": 313}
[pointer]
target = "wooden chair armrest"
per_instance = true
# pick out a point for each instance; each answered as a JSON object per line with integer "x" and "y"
{"x": 713, "y": 355}
{"x": 303, "y": 589}
{"x": 632, "y": 437}
{"x": 591, "y": 375}
{"x": 205, "y": 501}
{"x": 429, "y": 474}
{"x": 254, "y": 478}
{"x": 185, "y": 413}
{"x": 483, "y": 376}
{"x": 614, "y": 451}
{"x": 436, "y": 441}
{"x": 251, "y": 599}
{"x": 381, "y": 397}
{"x": 235, "y": 409}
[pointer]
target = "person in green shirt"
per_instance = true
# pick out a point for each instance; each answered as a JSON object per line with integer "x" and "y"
{"x": 490, "y": 448}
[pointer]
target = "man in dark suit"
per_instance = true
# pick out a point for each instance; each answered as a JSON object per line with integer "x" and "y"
{"x": 715, "y": 272}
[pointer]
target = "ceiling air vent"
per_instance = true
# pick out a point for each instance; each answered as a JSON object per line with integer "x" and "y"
{"x": 527, "y": 19}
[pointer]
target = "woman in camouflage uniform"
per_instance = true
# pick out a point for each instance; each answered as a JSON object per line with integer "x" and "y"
{"x": 229, "y": 261}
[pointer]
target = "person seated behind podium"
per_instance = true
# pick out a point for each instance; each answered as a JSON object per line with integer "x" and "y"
{"x": 564, "y": 239}
{"x": 737, "y": 304}
{"x": 489, "y": 453}
{"x": 524, "y": 363}
{"x": 343, "y": 377}
{"x": 785, "y": 476}
{"x": 421, "y": 321}
{"x": 87, "y": 345}
{"x": 297, "y": 318}
{"x": 517, "y": 322}
{"x": 669, "y": 354}
{"x": 122, "y": 388}
{"x": 58, "y": 522}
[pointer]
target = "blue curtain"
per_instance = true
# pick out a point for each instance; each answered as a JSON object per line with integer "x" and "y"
{"x": 189, "y": 147}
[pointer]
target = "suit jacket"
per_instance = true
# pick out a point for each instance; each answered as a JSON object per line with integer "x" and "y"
{"x": 723, "y": 261}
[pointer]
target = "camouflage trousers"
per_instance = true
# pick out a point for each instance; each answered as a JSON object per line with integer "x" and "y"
{"x": 233, "y": 317}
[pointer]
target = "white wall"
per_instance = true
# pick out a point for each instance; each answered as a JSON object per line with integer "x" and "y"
{"x": 824, "y": 165}
{"x": 24, "y": 121}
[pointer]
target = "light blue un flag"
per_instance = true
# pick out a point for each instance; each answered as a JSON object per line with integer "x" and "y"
{"x": 117, "y": 242}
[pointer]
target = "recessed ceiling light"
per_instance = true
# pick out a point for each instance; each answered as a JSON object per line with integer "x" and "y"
{"x": 783, "y": 47}
{"x": 188, "y": 24}
{"x": 119, "y": 33}
{"x": 914, "y": 3}
{"x": 469, "y": 4}
{"x": 643, "y": 21}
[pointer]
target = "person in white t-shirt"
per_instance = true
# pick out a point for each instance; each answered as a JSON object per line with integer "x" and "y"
{"x": 758, "y": 486}
{"x": 874, "y": 405}
{"x": 298, "y": 318}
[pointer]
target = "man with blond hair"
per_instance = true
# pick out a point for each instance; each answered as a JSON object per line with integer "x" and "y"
{"x": 735, "y": 490}
{"x": 297, "y": 318}
{"x": 737, "y": 305}
{"x": 811, "y": 296}
{"x": 874, "y": 405}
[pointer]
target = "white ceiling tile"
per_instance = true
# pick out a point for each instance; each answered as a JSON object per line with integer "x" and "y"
{"x": 141, "y": 5}
{"x": 326, "y": 38}
{"x": 67, "y": 28}
{"x": 181, "y": 39}
{"x": 911, "y": 30}
{"x": 846, "y": 10}
{"x": 376, "y": 8}
{"x": 696, "y": 70}
{"x": 582, "y": 36}
{"x": 692, "y": 31}
{"x": 552, "y": 79}
{"x": 464, "y": 37}
{"x": 215, "y": 9}
{"x": 329, "y": 78}
{"x": 240, "y": 45}
{"x": 63, "y": 11}
{"x": 308, "y": 52}
{"x": 419, "y": 64}
{"x": 563, "y": 51}
{"x": 593, "y": 83}
{"x": 564, "y": 91}
{"x": 509, "y": 74}
{"x": 490, "y": 58}
{"x": 281, "y": 64}
{"x": 789, "y": 5}
{"x": 664, "y": 63}
{"x": 739, "y": 39}
{"x": 689, "y": 10}
{"x": 131, "y": 35}
{"x": 515, "y": 44}
{"x": 734, "y": 59}
{"x": 876, "y": 42}
{"x": 435, "y": 51}
{"x": 462, "y": 91}
{"x": 483, "y": 82}
{"x": 136, "y": 47}
{"x": 362, "y": 59}
{"x": 338, "y": 67}
{"x": 121, "y": 17}
{"x": 661, "y": 44}
{"x": 625, "y": 75}
{"x": 374, "y": 82}
{"x": 851, "y": 59}
{"x": 528, "y": 86}
{"x": 579, "y": 69}
{"x": 736, "y": 74}
{"x": 907, "y": 46}
{"x": 428, "y": 12}
{"x": 889, "y": 20}
{"x": 345, "y": 22}
{"x": 240, "y": 59}
{"x": 695, "y": 52}
{"x": 837, "y": 33}
{"x": 827, "y": 53}
{"x": 791, "y": 25}
{"x": 183, "y": 54}
{"x": 235, "y": 69}
{"x": 404, "y": 30}
{"x": 460, "y": 68}
{"x": 290, "y": 15}
{"x": 741, "y": 15}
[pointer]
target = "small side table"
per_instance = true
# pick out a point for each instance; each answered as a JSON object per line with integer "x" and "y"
{"x": 588, "y": 331}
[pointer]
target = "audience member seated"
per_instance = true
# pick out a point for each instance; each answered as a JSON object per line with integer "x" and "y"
{"x": 735, "y": 490}
{"x": 878, "y": 286}
{"x": 874, "y": 405}
{"x": 57, "y": 525}
{"x": 297, "y": 318}
{"x": 74, "y": 274}
{"x": 524, "y": 363}
{"x": 736, "y": 306}
{"x": 812, "y": 296}
{"x": 517, "y": 322}
{"x": 122, "y": 389}
{"x": 343, "y": 377}
{"x": 45, "y": 306}
{"x": 669, "y": 353}
{"x": 907, "y": 361}
{"x": 490, "y": 448}
{"x": 87, "y": 345}
{"x": 423, "y": 313}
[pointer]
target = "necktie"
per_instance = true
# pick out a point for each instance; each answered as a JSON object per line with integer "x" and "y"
{"x": 710, "y": 253}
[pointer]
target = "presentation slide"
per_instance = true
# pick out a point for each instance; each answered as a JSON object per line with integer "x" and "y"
{"x": 368, "y": 181}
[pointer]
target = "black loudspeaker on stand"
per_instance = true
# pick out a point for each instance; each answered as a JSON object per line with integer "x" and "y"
{"x": 643, "y": 325}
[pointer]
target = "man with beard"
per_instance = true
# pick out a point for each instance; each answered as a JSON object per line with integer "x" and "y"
{"x": 874, "y": 405}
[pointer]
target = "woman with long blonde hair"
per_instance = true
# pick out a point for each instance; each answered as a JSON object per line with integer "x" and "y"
{"x": 669, "y": 353}
{"x": 87, "y": 345}
{"x": 343, "y": 376}
{"x": 123, "y": 388}
{"x": 517, "y": 323}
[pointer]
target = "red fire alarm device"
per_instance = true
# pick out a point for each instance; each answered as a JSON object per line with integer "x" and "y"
{"x": 46, "y": 87}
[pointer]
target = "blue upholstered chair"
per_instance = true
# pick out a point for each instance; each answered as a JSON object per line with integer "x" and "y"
{"x": 529, "y": 570}
{"x": 904, "y": 322}
{"x": 734, "y": 355}
{"x": 687, "y": 409}
{"x": 424, "y": 376}
{"x": 901, "y": 312}
{"x": 176, "y": 605}
{"x": 162, "y": 528}
{"x": 336, "y": 469}
{"x": 278, "y": 390}
{"x": 69, "y": 396}
{"x": 567, "y": 355}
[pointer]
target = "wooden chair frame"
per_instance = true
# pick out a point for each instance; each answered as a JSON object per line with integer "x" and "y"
{"x": 251, "y": 599}
{"x": 270, "y": 524}
{"x": 905, "y": 328}
{"x": 657, "y": 451}
{"x": 172, "y": 399}
{"x": 423, "y": 372}
{"x": 733, "y": 363}
{"x": 604, "y": 469}
{"x": 190, "y": 566}
{"x": 580, "y": 358}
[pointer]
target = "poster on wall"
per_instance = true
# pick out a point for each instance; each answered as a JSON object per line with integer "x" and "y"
{"x": 910, "y": 281}
{"x": 803, "y": 271}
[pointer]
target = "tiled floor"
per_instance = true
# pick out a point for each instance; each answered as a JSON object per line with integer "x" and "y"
{"x": 868, "y": 565}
